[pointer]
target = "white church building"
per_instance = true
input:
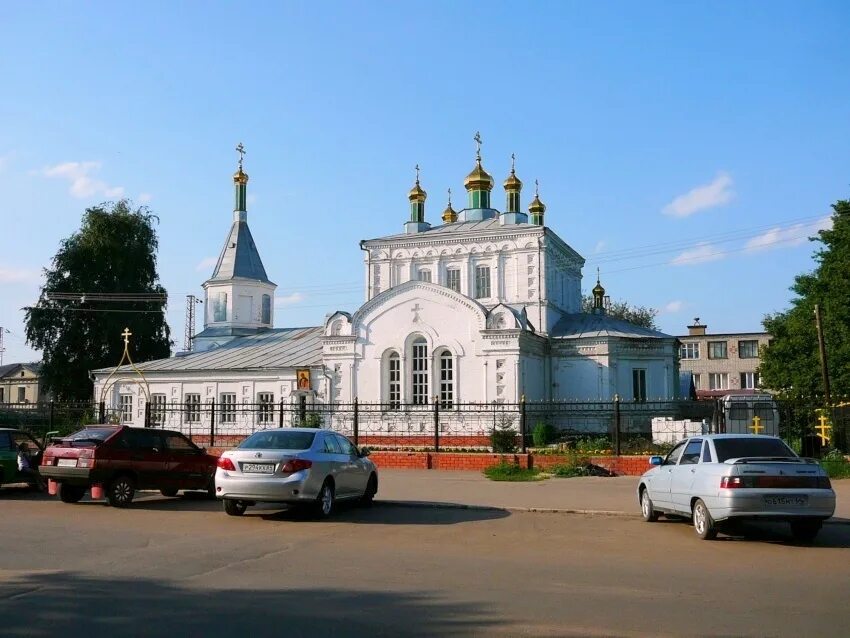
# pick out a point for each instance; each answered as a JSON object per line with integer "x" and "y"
{"x": 484, "y": 307}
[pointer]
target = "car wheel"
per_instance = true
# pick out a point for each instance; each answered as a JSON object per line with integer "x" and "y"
{"x": 324, "y": 506}
{"x": 805, "y": 531}
{"x": 234, "y": 508}
{"x": 169, "y": 491}
{"x": 703, "y": 523}
{"x": 371, "y": 489}
{"x": 646, "y": 508}
{"x": 121, "y": 491}
{"x": 71, "y": 493}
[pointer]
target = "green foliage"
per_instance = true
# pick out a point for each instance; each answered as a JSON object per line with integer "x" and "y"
{"x": 637, "y": 315}
{"x": 312, "y": 420}
{"x": 113, "y": 252}
{"x": 836, "y": 464}
{"x": 504, "y": 437}
{"x": 568, "y": 470}
{"x": 791, "y": 364}
{"x": 543, "y": 434}
{"x": 511, "y": 472}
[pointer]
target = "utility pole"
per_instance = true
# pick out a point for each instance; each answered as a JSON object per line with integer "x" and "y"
{"x": 822, "y": 350}
{"x": 2, "y": 349}
{"x": 189, "y": 334}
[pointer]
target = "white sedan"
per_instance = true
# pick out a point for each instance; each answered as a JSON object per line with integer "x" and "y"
{"x": 718, "y": 478}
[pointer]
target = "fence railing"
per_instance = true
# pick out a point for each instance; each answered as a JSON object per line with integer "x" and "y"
{"x": 618, "y": 426}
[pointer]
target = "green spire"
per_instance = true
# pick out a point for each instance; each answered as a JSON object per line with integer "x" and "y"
{"x": 240, "y": 182}
{"x": 478, "y": 183}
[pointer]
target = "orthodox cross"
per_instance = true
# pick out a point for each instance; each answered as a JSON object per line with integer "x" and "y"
{"x": 241, "y": 150}
{"x": 450, "y": 197}
{"x": 477, "y": 139}
{"x": 126, "y": 334}
{"x": 415, "y": 310}
{"x": 536, "y": 188}
{"x": 823, "y": 428}
{"x": 513, "y": 163}
{"x": 757, "y": 427}
{"x": 417, "y": 173}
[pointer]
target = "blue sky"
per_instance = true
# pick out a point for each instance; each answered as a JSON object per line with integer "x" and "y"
{"x": 712, "y": 135}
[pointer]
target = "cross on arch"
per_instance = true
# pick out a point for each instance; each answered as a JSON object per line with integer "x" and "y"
{"x": 126, "y": 334}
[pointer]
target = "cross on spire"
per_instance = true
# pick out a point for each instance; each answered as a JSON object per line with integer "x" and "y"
{"x": 126, "y": 334}
{"x": 450, "y": 197}
{"x": 241, "y": 150}
{"x": 477, "y": 139}
{"x": 513, "y": 163}
{"x": 536, "y": 188}
{"x": 417, "y": 173}
{"x": 597, "y": 274}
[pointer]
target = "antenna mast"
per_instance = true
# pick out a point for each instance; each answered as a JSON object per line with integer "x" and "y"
{"x": 189, "y": 334}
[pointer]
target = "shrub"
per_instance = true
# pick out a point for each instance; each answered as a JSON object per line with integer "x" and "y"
{"x": 511, "y": 472}
{"x": 836, "y": 464}
{"x": 543, "y": 434}
{"x": 312, "y": 420}
{"x": 503, "y": 438}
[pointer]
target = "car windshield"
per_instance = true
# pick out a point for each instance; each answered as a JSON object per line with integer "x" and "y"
{"x": 278, "y": 441}
{"x": 89, "y": 435}
{"x": 737, "y": 448}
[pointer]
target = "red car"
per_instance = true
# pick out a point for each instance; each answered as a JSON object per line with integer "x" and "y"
{"x": 118, "y": 460}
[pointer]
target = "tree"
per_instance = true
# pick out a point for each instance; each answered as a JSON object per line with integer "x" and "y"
{"x": 113, "y": 252}
{"x": 638, "y": 315}
{"x": 791, "y": 363}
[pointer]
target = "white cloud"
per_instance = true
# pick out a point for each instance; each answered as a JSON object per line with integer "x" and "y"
{"x": 17, "y": 275}
{"x": 699, "y": 255}
{"x": 673, "y": 307}
{"x": 144, "y": 198}
{"x": 600, "y": 246}
{"x": 289, "y": 300}
{"x": 716, "y": 193}
{"x": 206, "y": 263}
{"x": 787, "y": 237}
{"x": 82, "y": 180}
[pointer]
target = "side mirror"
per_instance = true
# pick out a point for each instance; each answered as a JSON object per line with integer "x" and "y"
{"x": 656, "y": 460}
{"x": 364, "y": 452}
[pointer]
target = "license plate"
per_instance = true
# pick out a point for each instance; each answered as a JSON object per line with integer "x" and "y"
{"x": 67, "y": 463}
{"x": 258, "y": 468}
{"x": 785, "y": 500}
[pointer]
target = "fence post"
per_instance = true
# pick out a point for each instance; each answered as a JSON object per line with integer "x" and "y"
{"x": 147, "y": 414}
{"x": 212, "y": 423}
{"x": 50, "y": 421}
{"x": 280, "y": 414}
{"x": 101, "y": 412}
{"x": 523, "y": 424}
{"x": 356, "y": 423}
{"x": 617, "y": 425}
{"x": 436, "y": 424}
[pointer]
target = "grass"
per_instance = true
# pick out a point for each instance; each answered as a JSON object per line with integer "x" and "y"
{"x": 568, "y": 471}
{"x": 512, "y": 472}
{"x": 837, "y": 469}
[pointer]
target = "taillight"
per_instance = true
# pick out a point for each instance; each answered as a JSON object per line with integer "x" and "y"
{"x": 46, "y": 460}
{"x": 824, "y": 483}
{"x": 225, "y": 464}
{"x": 296, "y": 465}
{"x": 730, "y": 482}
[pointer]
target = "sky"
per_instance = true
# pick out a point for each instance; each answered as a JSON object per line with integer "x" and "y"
{"x": 686, "y": 149}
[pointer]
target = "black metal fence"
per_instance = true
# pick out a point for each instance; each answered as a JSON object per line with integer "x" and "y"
{"x": 618, "y": 426}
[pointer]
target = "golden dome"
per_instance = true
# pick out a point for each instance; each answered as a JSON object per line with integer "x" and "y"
{"x": 478, "y": 179}
{"x": 240, "y": 177}
{"x": 536, "y": 206}
{"x": 450, "y": 214}
{"x": 598, "y": 290}
{"x": 513, "y": 183}
{"x": 416, "y": 193}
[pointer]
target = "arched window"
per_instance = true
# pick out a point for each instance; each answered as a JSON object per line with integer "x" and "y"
{"x": 394, "y": 380}
{"x": 420, "y": 372}
{"x": 267, "y": 309}
{"x": 336, "y": 328}
{"x": 447, "y": 379}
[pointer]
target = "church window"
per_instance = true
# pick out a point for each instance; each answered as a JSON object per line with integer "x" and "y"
{"x": 447, "y": 381}
{"x": 453, "y": 279}
{"x": 266, "y": 407}
{"x": 394, "y": 395}
{"x": 220, "y": 307}
{"x": 126, "y": 408}
{"x": 267, "y": 309}
{"x": 420, "y": 372}
{"x": 639, "y": 384}
{"x": 424, "y": 275}
{"x": 376, "y": 278}
{"x": 192, "y": 407}
{"x": 157, "y": 409}
{"x": 336, "y": 328}
{"x": 228, "y": 407}
{"x": 482, "y": 282}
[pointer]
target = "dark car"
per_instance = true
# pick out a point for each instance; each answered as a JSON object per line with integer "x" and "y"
{"x": 119, "y": 460}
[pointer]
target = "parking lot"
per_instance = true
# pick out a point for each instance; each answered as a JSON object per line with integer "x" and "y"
{"x": 181, "y": 567}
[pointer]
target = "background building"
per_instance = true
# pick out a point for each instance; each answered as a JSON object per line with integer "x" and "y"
{"x": 20, "y": 383}
{"x": 721, "y": 363}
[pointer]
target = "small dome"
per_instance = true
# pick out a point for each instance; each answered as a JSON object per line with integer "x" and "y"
{"x": 240, "y": 177}
{"x": 416, "y": 193}
{"x": 512, "y": 183}
{"x": 449, "y": 215}
{"x": 478, "y": 179}
{"x": 598, "y": 290}
{"x": 536, "y": 206}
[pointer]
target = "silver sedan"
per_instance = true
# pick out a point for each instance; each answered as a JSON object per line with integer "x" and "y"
{"x": 720, "y": 478}
{"x": 296, "y": 466}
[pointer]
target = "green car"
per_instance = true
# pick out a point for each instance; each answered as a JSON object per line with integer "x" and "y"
{"x": 10, "y": 442}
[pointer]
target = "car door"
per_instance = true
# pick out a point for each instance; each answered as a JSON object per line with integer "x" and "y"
{"x": 147, "y": 457}
{"x": 659, "y": 486}
{"x": 684, "y": 475}
{"x": 31, "y": 447}
{"x": 356, "y": 472}
{"x": 8, "y": 458}
{"x": 334, "y": 461}
{"x": 186, "y": 469}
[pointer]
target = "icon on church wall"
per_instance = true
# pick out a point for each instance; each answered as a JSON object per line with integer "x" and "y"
{"x": 303, "y": 379}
